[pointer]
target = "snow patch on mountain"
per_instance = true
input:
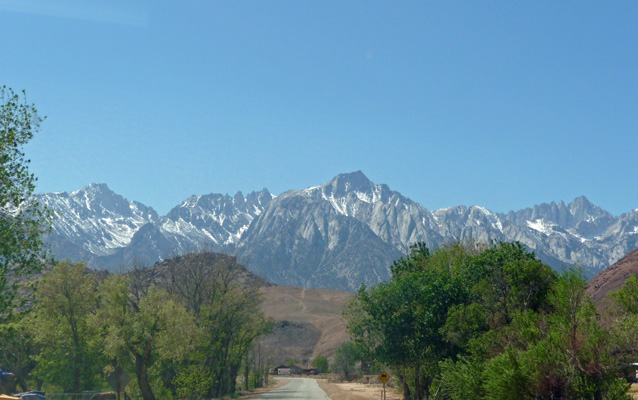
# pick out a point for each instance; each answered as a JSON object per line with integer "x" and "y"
{"x": 97, "y": 224}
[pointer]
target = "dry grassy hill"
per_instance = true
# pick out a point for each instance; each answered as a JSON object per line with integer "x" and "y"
{"x": 308, "y": 322}
{"x": 613, "y": 277}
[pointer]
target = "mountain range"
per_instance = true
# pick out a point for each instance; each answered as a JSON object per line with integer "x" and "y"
{"x": 337, "y": 235}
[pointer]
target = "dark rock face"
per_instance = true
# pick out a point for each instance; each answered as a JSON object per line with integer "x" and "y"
{"x": 336, "y": 235}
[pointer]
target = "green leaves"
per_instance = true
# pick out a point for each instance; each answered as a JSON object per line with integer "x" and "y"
{"x": 493, "y": 324}
{"x": 321, "y": 363}
{"x": 22, "y": 219}
{"x": 69, "y": 348}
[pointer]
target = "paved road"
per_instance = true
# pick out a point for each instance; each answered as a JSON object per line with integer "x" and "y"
{"x": 298, "y": 388}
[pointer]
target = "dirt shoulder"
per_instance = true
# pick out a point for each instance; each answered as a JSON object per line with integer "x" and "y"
{"x": 356, "y": 391}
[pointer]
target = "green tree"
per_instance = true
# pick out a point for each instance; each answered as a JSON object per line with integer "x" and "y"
{"x": 18, "y": 348}
{"x": 292, "y": 361}
{"x": 321, "y": 363}
{"x": 69, "y": 352}
{"x": 344, "y": 360}
{"x": 400, "y": 323}
{"x": 144, "y": 328}
{"x": 227, "y": 312}
{"x": 22, "y": 220}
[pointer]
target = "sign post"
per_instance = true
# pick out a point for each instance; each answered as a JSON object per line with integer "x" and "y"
{"x": 118, "y": 379}
{"x": 384, "y": 377}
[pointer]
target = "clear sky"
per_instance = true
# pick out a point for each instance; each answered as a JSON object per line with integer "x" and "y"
{"x": 502, "y": 104}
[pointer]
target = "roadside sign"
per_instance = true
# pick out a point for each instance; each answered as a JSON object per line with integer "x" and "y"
{"x": 384, "y": 377}
{"x": 118, "y": 379}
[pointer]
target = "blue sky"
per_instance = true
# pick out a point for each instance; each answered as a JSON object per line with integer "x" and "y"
{"x": 495, "y": 103}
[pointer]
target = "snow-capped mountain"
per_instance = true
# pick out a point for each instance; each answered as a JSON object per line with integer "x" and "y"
{"x": 336, "y": 235}
{"x": 212, "y": 220}
{"x": 96, "y": 225}
{"x": 95, "y": 219}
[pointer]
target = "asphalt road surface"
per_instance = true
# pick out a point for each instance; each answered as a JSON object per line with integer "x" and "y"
{"x": 298, "y": 388}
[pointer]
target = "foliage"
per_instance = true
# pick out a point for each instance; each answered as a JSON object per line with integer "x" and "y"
{"x": 227, "y": 315}
{"x": 344, "y": 360}
{"x": 22, "y": 220}
{"x": 69, "y": 354}
{"x": 140, "y": 331}
{"x": 18, "y": 348}
{"x": 292, "y": 361}
{"x": 193, "y": 382}
{"x": 400, "y": 323}
{"x": 321, "y": 363}
{"x": 493, "y": 323}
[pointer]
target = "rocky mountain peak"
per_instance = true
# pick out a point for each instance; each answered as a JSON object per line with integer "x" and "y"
{"x": 98, "y": 199}
{"x": 343, "y": 184}
{"x": 582, "y": 209}
{"x": 347, "y": 230}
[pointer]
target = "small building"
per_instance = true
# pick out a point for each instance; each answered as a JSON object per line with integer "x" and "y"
{"x": 283, "y": 370}
{"x": 311, "y": 371}
{"x": 296, "y": 370}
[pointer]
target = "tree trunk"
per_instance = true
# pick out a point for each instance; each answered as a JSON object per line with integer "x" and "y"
{"x": 246, "y": 373}
{"x": 234, "y": 370}
{"x": 417, "y": 384}
{"x": 76, "y": 376}
{"x": 425, "y": 385}
{"x": 22, "y": 383}
{"x": 141, "y": 370}
{"x": 404, "y": 384}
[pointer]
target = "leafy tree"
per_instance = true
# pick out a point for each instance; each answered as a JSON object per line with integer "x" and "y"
{"x": 321, "y": 363}
{"x": 69, "y": 353}
{"x": 493, "y": 323}
{"x": 400, "y": 323}
{"x": 626, "y": 298}
{"x": 227, "y": 312}
{"x": 193, "y": 382}
{"x": 344, "y": 360}
{"x": 141, "y": 329}
{"x": 292, "y": 361}
{"x": 22, "y": 220}
{"x": 18, "y": 348}
{"x": 560, "y": 351}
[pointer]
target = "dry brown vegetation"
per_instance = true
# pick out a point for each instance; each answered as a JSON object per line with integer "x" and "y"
{"x": 613, "y": 277}
{"x": 357, "y": 391}
{"x": 309, "y": 322}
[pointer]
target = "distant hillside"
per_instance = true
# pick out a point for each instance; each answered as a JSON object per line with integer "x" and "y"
{"x": 307, "y": 321}
{"x": 160, "y": 272}
{"x": 612, "y": 278}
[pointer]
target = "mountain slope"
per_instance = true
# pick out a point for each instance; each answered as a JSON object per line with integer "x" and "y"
{"x": 337, "y": 235}
{"x": 301, "y": 242}
{"x": 613, "y": 278}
